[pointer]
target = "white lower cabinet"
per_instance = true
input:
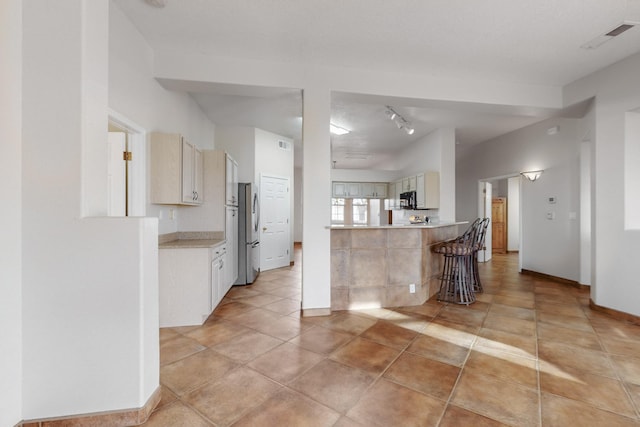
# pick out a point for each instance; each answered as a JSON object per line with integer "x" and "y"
{"x": 217, "y": 278}
{"x": 189, "y": 287}
{"x": 231, "y": 236}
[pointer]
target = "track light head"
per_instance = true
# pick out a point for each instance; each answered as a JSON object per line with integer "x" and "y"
{"x": 401, "y": 122}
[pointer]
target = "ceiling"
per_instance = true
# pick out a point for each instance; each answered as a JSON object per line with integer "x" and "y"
{"x": 514, "y": 41}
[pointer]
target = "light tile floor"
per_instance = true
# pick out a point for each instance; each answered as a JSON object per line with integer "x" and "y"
{"x": 529, "y": 352}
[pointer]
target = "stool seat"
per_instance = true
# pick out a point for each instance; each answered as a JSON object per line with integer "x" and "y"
{"x": 454, "y": 248}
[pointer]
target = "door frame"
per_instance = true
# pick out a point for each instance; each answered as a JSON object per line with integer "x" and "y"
{"x": 481, "y": 182}
{"x": 137, "y": 174}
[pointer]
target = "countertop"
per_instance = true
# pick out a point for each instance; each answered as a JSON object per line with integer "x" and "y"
{"x": 191, "y": 243}
{"x": 418, "y": 225}
{"x": 191, "y": 239}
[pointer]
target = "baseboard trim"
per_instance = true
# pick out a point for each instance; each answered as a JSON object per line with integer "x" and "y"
{"x": 313, "y": 312}
{"x": 617, "y": 315}
{"x": 127, "y": 417}
{"x": 556, "y": 279}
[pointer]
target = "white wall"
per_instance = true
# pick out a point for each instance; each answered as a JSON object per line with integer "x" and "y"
{"x": 239, "y": 142}
{"x": 90, "y": 323}
{"x": 544, "y": 242}
{"x": 135, "y": 94}
{"x": 513, "y": 213}
{"x": 10, "y": 214}
{"x": 297, "y": 204}
{"x": 364, "y": 175}
{"x": 615, "y": 280}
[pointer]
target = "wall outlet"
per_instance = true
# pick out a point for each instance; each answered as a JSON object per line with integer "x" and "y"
{"x": 172, "y": 213}
{"x": 412, "y": 288}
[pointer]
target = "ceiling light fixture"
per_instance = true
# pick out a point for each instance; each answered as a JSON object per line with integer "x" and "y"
{"x": 603, "y": 38}
{"x": 400, "y": 121}
{"x": 337, "y": 130}
{"x": 532, "y": 175}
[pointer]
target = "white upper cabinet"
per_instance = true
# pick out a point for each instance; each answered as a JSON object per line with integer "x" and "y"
{"x": 367, "y": 190}
{"x": 408, "y": 184}
{"x": 428, "y": 190}
{"x": 231, "y": 172}
{"x": 346, "y": 189}
{"x": 176, "y": 171}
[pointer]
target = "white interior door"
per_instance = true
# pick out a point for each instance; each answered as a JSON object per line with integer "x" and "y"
{"x": 485, "y": 190}
{"x": 116, "y": 174}
{"x": 274, "y": 222}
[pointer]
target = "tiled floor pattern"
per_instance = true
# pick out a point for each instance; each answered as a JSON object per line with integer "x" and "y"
{"x": 528, "y": 353}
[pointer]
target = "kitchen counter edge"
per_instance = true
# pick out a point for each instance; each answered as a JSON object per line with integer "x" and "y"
{"x": 367, "y": 227}
{"x": 191, "y": 243}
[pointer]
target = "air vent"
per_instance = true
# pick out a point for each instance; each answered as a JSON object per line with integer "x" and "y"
{"x": 619, "y": 30}
{"x": 284, "y": 145}
{"x": 602, "y": 39}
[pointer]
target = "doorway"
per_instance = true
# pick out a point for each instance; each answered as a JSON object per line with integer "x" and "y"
{"x": 274, "y": 232}
{"x": 125, "y": 167}
{"x": 499, "y": 199}
{"x": 499, "y": 225}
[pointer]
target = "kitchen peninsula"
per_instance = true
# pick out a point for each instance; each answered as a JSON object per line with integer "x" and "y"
{"x": 376, "y": 266}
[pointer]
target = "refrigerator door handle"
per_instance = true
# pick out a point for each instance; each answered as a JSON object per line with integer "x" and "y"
{"x": 256, "y": 211}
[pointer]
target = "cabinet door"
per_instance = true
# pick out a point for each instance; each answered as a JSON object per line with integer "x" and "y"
{"x": 432, "y": 190}
{"x": 412, "y": 183}
{"x": 231, "y": 181}
{"x": 399, "y": 189}
{"x": 367, "y": 189}
{"x": 420, "y": 194}
{"x": 353, "y": 189}
{"x": 231, "y": 236}
{"x": 216, "y": 281}
{"x": 198, "y": 176}
{"x": 380, "y": 190}
{"x": 339, "y": 189}
{"x": 187, "y": 172}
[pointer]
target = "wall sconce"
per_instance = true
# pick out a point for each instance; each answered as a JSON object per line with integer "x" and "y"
{"x": 532, "y": 175}
{"x": 337, "y": 130}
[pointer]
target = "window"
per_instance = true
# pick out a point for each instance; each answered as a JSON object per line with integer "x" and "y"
{"x": 360, "y": 208}
{"x": 337, "y": 211}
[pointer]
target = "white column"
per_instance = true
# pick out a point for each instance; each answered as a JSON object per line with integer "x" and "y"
{"x": 316, "y": 207}
{"x": 11, "y": 212}
{"x": 447, "y": 138}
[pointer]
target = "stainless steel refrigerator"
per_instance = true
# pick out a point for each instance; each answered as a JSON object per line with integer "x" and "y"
{"x": 248, "y": 234}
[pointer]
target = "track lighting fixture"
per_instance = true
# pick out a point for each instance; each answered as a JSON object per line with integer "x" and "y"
{"x": 400, "y": 121}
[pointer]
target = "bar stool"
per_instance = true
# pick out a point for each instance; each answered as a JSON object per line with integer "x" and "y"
{"x": 479, "y": 245}
{"x": 457, "y": 280}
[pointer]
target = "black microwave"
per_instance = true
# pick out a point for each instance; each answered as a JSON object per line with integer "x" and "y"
{"x": 408, "y": 200}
